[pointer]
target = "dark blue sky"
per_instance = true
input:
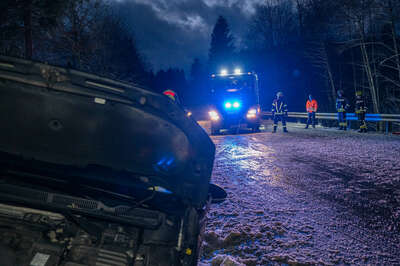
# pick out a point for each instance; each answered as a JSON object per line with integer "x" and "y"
{"x": 174, "y": 32}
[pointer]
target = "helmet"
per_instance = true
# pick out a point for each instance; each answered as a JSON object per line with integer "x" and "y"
{"x": 279, "y": 94}
{"x": 340, "y": 92}
{"x": 171, "y": 94}
{"x": 359, "y": 93}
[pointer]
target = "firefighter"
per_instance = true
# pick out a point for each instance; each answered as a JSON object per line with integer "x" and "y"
{"x": 361, "y": 110}
{"x": 342, "y": 106}
{"x": 311, "y": 107}
{"x": 279, "y": 111}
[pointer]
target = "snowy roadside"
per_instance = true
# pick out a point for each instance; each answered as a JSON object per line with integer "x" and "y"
{"x": 303, "y": 198}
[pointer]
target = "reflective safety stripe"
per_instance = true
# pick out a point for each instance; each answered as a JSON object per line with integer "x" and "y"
{"x": 278, "y": 109}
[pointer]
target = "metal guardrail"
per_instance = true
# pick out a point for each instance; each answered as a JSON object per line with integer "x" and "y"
{"x": 386, "y": 118}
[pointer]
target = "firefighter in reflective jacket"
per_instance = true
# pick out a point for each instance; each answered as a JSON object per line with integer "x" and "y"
{"x": 361, "y": 110}
{"x": 312, "y": 107}
{"x": 279, "y": 111}
{"x": 342, "y": 105}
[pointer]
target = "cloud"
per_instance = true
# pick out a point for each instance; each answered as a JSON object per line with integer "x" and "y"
{"x": 171, "y": 33}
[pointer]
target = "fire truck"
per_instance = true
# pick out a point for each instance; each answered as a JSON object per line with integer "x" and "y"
{"x": 234, "y": 101}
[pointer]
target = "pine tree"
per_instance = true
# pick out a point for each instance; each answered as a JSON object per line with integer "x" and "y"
{"x": 196, "y": 71}
{"x": 221, "y": 49}
{"x": 196, "y": 92}
{"x": 29, "y": 18}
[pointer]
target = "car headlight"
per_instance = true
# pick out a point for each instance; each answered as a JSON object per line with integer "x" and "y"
{"x": 213, "y": 115}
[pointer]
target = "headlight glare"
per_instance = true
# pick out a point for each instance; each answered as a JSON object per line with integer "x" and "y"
{"x": 252, "y": 113}
{"x": 213, "y": 115}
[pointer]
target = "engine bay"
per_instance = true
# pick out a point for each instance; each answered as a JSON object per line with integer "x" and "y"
{"x": 41, "y": 238}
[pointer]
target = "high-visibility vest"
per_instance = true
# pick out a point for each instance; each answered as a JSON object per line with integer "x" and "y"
{"x": 279, "y": 107}
{"x": 312, "y": 106}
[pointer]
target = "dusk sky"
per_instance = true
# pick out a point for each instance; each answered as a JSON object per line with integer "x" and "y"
{"x": 174, "y": 32}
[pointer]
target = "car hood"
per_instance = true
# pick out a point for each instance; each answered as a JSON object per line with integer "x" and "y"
{"x": 78, "y": 121}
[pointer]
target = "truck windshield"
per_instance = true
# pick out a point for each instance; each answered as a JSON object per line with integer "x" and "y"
{"x": 240, "y": 86}
{"x": 232, "y": 83}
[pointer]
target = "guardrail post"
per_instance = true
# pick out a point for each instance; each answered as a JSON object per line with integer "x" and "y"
{"x": 387, "y": 127}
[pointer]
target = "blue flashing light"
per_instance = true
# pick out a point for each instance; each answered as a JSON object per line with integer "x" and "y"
{"x": 234, "y": 105}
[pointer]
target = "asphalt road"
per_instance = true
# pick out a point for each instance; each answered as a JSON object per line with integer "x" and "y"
{"x": 304, "y": 198}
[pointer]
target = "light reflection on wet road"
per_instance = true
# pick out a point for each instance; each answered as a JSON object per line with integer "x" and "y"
{"x": 287, "y": 202}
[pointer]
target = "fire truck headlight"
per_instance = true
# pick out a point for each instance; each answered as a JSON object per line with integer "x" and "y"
{"x": 238, "y": 71}
{"x": 224, "y": 72}
{"x": 252, "y": 113}
{"x": 213, "y": 115}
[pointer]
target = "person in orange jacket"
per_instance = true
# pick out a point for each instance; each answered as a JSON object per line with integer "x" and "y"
{"x": 312, "y": 107}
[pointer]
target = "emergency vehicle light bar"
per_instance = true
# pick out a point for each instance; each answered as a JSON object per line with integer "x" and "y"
{"x": 224, "y": 73}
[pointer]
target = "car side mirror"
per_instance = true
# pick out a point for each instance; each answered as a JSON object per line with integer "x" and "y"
{"x": 217, "y": 193}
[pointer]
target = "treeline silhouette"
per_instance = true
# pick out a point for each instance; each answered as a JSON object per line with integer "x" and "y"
{"x": 299, "y": 47}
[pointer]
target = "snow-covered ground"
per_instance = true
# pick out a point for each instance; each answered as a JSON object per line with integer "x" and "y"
{"x": 316, "y": 196}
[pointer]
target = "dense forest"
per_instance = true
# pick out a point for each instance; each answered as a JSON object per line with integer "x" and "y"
{"x": 299, "y": 47}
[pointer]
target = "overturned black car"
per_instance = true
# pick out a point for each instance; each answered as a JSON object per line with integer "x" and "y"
{"x": 97, "y": 172}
